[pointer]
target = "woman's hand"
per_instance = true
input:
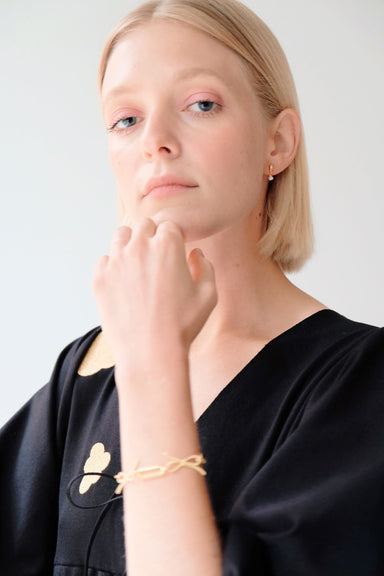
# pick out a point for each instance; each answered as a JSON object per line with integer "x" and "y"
{"x": 149, "y": 294}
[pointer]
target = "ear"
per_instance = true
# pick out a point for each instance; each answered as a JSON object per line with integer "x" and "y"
{"x": 284, "y": 139}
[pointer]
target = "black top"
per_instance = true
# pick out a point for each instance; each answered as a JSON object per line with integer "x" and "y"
{"x": 295, "y": 459}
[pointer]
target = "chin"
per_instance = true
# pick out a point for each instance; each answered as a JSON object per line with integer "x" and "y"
{"x": 192, "y": 229}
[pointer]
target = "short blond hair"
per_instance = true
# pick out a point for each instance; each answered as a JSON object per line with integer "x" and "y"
{"x": 288, "y": 238}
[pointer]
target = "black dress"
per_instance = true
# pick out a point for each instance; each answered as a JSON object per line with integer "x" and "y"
{"x": 295, "y": 459}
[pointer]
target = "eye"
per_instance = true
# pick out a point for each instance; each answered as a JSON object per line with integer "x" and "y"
{"x": 203, "y": 106}
{"x": 124, "y": 123}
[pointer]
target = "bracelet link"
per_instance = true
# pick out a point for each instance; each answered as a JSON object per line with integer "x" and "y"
{"x": 194, "y": 462}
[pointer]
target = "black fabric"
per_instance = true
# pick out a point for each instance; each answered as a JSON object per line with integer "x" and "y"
{"x": 295, "y": 460}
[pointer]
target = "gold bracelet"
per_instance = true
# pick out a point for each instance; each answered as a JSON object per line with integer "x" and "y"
{"x": 194, "y": 462}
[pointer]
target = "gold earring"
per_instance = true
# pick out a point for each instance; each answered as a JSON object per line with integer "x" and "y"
{"x": 270, "y": 177}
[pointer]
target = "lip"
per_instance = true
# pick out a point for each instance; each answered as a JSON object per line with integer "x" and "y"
{"x": 166, "y": 185}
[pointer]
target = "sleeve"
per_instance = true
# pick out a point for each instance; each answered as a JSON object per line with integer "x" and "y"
{"x": 316, "y": 507}
{"x": 31, "y": 444}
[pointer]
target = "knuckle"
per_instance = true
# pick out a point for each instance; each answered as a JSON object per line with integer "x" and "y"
{"x": 144, "y": 227}
{"x": 169, "y": 233}
{"x": 169, "y": 227}
{"x": 121, "y": 235}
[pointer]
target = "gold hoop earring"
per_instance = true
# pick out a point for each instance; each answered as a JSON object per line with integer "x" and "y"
{"x": 271, "y": 177}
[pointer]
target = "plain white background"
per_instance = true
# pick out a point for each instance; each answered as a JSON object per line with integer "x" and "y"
{"x": 58, "y": 205}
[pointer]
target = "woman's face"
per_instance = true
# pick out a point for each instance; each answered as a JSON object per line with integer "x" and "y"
{"x": 187, "y": 135}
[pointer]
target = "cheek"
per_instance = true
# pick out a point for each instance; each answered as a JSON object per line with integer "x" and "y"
{"x": 116, "y": 157}
{"x": 233, "y": 156}
{"x": 249, "y": 154}
{"x": 125, "y": 170}
{"x": 214, "y": 152}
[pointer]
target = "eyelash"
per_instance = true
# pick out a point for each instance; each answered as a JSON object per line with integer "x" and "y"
{"x": 207, "y": 112}
{"x": 214, "y": 110}
{"x": 114, "y": 127}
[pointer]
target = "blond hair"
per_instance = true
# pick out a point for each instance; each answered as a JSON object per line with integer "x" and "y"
{"x": 288, "y": 238}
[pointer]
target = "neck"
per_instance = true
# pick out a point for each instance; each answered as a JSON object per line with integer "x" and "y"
{"x": 256, "y": 300}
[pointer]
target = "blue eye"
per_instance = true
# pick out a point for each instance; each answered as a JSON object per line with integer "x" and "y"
{"x": 125, "y": 123}
{"x": 204, "y": 106}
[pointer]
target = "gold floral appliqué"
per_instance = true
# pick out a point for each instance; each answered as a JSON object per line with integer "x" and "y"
{"x": 98, "y": 461}
{"x": 98, "y": 357}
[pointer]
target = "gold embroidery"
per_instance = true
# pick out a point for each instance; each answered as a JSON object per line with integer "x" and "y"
{"x": 97, "y": 462}
{"x": 98, "y": 356}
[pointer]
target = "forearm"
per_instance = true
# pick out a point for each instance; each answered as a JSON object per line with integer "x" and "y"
{"x": 169, "y": 523}
{"x": 152, "y": 303}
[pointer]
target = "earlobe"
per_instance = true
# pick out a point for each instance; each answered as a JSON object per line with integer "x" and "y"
{"x": 284, "y": 141}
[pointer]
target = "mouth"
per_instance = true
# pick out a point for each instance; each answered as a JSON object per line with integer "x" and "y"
{"x": 166, "y": 185}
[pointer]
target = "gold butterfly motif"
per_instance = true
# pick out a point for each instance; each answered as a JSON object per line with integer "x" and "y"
{"x": 98, "y": 461}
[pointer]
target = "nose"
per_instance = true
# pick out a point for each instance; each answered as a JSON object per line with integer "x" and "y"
{"x": 160, "y": 136}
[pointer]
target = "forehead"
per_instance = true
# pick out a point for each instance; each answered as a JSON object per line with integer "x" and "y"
{"x": 174, "y": 51}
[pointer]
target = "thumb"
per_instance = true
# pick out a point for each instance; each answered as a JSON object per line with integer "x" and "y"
{"x": 196, "y": 263}
{"x": 203, "y": 274}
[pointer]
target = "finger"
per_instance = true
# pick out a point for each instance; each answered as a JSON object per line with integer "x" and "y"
{"x": 170, "y": 235}
{"x": 171, "y": 228}
{"x": 120, "y": 237}
{"x": 201, "y": 268}
{"x": 145, "y": 228}
{"x": 195, "y": 259}
{"x": 170, "y": 243}
{"x": 203, "y": 274}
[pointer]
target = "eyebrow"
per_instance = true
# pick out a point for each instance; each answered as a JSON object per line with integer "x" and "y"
{"x": 192, "y": 72}
{"x": 187, "y": 74}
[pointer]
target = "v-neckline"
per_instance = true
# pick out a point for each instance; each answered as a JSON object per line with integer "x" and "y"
{"x": 259, "y": 357}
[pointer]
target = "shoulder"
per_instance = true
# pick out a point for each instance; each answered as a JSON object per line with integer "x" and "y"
{"x": 329, "y": 336}
{"x": 79, "y": 367}
{"x": 85, "y": 355}
{"x": 327, "y": 364}
{"x": 346, "y": 370}
{"x": 72, "y": 356}
{"x": 98, "y": 356}
{"x": 73, "y": 362}
{"x": 350, "y": 343}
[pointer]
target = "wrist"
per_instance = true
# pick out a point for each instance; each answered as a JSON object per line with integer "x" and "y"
{"x": 152, "y": 364}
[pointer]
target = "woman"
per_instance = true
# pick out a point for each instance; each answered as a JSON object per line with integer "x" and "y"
{"x": 250, "y": 415}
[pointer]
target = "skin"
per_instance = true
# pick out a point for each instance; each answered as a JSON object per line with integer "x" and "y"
{"x": 185, "y": 299}
{"x": 193, "y": 144}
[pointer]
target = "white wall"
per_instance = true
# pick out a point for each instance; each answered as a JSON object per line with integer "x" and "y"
{"x": 57, "y": 191}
